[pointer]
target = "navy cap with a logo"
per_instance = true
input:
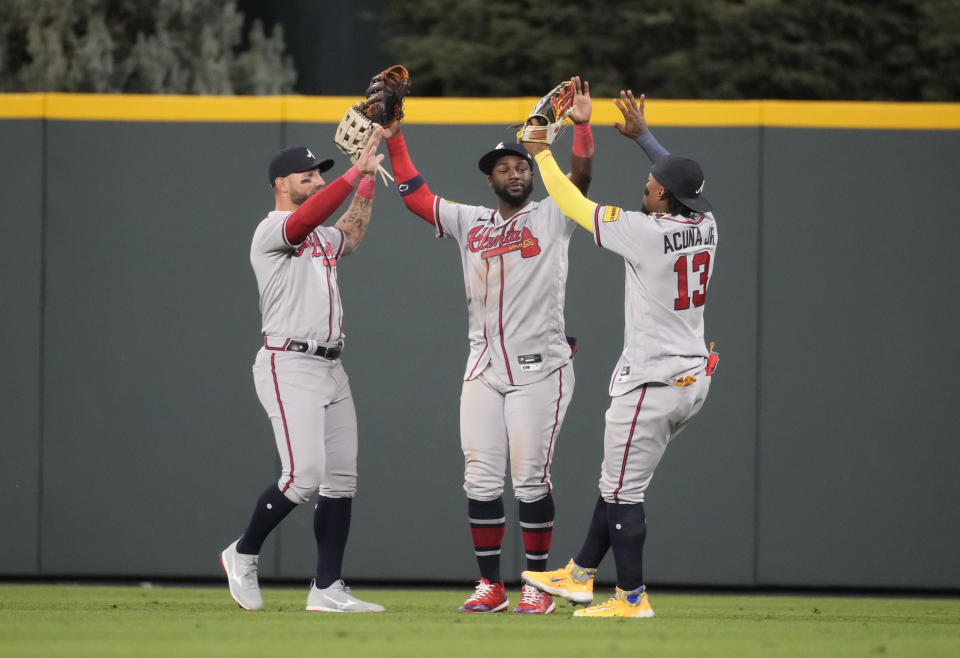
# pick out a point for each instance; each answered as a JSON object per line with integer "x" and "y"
{"x": 503, "y": 148}
{"x": 293, "y": 160}
{"x": 683, "y": 178}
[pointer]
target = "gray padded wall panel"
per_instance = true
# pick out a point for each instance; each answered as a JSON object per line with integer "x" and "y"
{"x": 859, "y": 453}
{"x": 152, "y": 325}
{"x": 21, "y": 298}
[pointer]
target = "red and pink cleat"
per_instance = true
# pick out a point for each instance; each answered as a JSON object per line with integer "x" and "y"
{"x": 488, "y": 597}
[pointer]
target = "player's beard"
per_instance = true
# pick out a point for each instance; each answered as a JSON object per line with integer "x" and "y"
{"x": 643, "y": 204}
{"x": 515, "y": 200}
{"x": 297, "y": 198}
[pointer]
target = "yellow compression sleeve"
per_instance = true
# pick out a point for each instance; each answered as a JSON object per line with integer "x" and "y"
{"x": 566, "y": 195}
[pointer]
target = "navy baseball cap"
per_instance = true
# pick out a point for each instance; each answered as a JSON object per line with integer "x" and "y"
{"x": 294, "y": 160}
{"x": 500, "y": 150}
{"x": 683, "y": 178}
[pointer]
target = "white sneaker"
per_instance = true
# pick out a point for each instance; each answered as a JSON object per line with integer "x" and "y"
{"x": 242, "y": 576}
{"x": 337, "y": 598}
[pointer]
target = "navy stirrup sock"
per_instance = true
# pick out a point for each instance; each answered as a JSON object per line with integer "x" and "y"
{"x": 628, "y": 529}
{"x": 272, "y": 508}
{"x": 331, "y": 525}
{"x": 536, "y": 524}
{"x": 597, "y": 542}
{"x": 487, "y": 523}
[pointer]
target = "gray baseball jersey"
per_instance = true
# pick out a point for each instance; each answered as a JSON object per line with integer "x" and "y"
{"x": 668, "y": 260}
{"x": 299, "y": 297}
{"x": 515, "y": 274}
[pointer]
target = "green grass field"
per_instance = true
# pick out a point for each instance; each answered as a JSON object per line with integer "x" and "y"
{"x": 83, "y": 620}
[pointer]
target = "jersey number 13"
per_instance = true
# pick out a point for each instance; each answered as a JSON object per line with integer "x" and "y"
{"x": 700, "y": 263}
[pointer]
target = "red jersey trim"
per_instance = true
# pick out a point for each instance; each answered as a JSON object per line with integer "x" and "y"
{"x": 436, "y": 216}
{"x": 330, "y": 305}
{"x": 553, "y": 432}
{"x": 519, "y": 214}
{"x": 282, "y": 348}
{"x": 688, "y": 222}
{"x": 479, "y": 358}
{"x": 283, "y": 233}
{"x": 596, "y": 224}
{"x": 339, "y": 301}
{"x": 484, "y": 351}
{"x": 343, "y": 241}
{"x": 503, "y": 345}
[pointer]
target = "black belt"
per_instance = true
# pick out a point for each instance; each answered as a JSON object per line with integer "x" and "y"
{"x": 325, "y": 352}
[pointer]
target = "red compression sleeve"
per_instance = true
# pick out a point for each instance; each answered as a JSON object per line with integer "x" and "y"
{"x": 413, "y": 188}
{"x": 319, "y": 207}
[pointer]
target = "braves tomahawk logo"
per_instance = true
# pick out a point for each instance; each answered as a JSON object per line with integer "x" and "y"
{"x": 491, "y": 242}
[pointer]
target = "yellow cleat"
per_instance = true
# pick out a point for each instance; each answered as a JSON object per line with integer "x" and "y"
{"x": 573, "y": 583}
{"x": 621, "y": 604}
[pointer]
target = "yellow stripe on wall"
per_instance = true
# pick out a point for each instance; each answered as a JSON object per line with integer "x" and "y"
{"x": 810, "y": 114}
{"x": 460, "y": 111}
{"x": 21, "y": 106}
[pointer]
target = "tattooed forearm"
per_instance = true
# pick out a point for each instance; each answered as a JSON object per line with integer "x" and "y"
{"x": 354, "y": 223}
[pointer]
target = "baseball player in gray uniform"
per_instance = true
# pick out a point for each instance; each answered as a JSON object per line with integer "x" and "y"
{"x": 662, "y": 377}
{"x": 298, "y": 374}
{"x": 519, "y": 376}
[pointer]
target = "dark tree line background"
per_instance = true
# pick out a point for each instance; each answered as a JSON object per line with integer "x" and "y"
{"x": 902, "y": 50}
{"x": 906, "y": 50}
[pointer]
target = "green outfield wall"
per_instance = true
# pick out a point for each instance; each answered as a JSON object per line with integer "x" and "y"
{"x": 134, "y": 445}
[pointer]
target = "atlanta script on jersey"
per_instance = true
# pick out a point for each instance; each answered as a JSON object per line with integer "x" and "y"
{"x": 299, "y": 297}
{"x": 515, "y": 273}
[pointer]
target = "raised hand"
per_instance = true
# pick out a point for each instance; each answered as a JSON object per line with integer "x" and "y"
{"x": 392, "y": 130}
{"x": 369, "y": 160}
{"x": 634, "y": 124}
{"x": 582, "y": 104}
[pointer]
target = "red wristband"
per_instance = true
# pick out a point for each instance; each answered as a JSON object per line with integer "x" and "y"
{"x": 367, "y": 188}
{"x": 582, "y": 140}
{"x": 351, "y": 175}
